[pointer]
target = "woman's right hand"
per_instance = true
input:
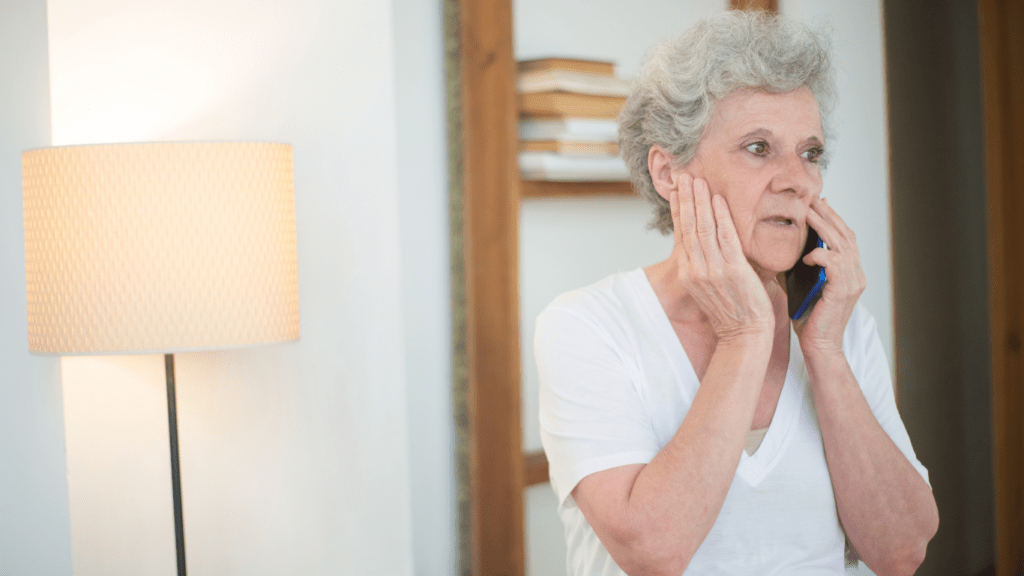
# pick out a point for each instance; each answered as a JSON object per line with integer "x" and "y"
{"x": 712, "y": 266}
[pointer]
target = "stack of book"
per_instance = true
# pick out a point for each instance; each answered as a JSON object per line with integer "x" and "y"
{"x": 567, "y": 128}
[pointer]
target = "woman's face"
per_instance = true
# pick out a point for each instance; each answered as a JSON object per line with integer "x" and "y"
{"x": 760, "y": 151}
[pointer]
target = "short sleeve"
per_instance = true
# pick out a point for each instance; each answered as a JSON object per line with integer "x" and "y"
{"x": 592, "y": 416}
{"x": 871, "y": 368}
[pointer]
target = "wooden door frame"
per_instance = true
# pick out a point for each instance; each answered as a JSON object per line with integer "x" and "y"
{"x": 1002, "y": 52}
{"x": 485, "y": 221}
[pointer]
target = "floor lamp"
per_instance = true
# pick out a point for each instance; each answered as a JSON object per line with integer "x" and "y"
{"x": 160, "y": 248}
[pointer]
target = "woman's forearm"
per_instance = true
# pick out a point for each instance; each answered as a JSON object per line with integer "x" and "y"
{"x": 886, "y": 507}
{"x": 675, "y": 499}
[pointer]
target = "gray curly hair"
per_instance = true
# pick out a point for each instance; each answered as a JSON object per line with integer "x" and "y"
{"x": 674, "y": 94}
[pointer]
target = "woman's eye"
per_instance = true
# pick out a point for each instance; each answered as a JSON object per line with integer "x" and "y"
{"x": 758, "y": 148}
{"x": 813, "y": 155}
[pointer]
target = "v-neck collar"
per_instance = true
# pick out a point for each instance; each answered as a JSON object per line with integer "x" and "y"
{"x": 752, "y": 468}
{"x": 755, "y": 467}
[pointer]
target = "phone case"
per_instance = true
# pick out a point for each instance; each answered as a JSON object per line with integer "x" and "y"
{"x": 803, "y": 282}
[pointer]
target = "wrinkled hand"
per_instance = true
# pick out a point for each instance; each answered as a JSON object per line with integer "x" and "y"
{"x": 822, "y": 329}
{"x": 712, "y": 267}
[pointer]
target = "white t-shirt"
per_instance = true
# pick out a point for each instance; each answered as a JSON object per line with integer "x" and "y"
{"x": 615, "y": 384}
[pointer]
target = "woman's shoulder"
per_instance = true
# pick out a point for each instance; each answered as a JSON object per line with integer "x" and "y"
{"x": 615, "y": 294}
{"x": 615, "y": 305}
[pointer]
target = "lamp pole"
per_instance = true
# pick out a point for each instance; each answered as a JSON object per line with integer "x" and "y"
{"x": 172, "y": 429}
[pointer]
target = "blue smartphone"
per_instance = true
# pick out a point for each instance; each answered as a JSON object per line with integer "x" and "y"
{"x": 803, "y": 282}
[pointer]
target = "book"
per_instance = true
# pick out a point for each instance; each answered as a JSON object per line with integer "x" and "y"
{"x": 568, "y": 64}
{"x": 569, "y": 128}
{"x": 570, "y": 147}
{"x": 567, "y": 125}
{"x": 554, "y": 80}
{"x": 561, "y": 104}
{"x": 552, "y": 166}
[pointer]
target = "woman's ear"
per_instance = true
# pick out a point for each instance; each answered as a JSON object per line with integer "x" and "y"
{"x": 659, "y": 164}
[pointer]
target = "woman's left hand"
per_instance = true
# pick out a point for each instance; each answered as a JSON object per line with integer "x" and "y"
{"x": 822, "y": 330}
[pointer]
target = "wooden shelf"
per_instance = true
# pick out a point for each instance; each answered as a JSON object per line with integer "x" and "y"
{"x": 535, "y": 465}
{"x": 768, "y": 5}
{"x": 544, "y": 189}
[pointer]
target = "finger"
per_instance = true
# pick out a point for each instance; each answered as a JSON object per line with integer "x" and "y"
{"x": 839, "y": 268}
{"x": 830, "y": 262}
{"x": 839, "y": 223}
{"x": 728, "y": 239}
{"x": 680, "y": 249}
{"x": 828, "y": 233}
{"x": 824, "y": 258}
{"x": 842, "y": 231}
{"x": 707, "y": 232}
{"x": 673, "y": 203}
{"x": 688, "y": 224}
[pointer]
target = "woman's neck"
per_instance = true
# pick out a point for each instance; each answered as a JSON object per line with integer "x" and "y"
{"x": 680, "y": 307}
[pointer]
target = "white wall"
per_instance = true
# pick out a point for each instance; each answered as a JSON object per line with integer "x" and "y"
{"x": 568, "y": 243}
{"x": 294, "y": 457}
{"x": 35, "y": 536}
{"x": 426, "y": 280}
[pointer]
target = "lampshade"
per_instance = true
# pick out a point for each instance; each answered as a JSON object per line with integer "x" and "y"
{"x": 159, "y": 248}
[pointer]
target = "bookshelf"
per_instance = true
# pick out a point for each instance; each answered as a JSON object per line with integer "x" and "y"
{"x": 568, "y": 135}
{"x": 549, "y": 189}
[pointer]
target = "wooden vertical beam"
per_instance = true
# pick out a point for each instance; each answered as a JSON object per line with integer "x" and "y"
{"x": 1002, "y": 54}
{"x": 490, "y": 228}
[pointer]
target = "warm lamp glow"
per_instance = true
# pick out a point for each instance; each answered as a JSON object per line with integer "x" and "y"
{"x": 160, "y": 247}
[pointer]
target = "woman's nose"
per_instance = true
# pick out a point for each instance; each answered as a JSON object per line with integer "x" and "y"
{"x": 796, "y": 175}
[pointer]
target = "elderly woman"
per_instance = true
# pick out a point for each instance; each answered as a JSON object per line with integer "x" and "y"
{"x": 691, "y": 427}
